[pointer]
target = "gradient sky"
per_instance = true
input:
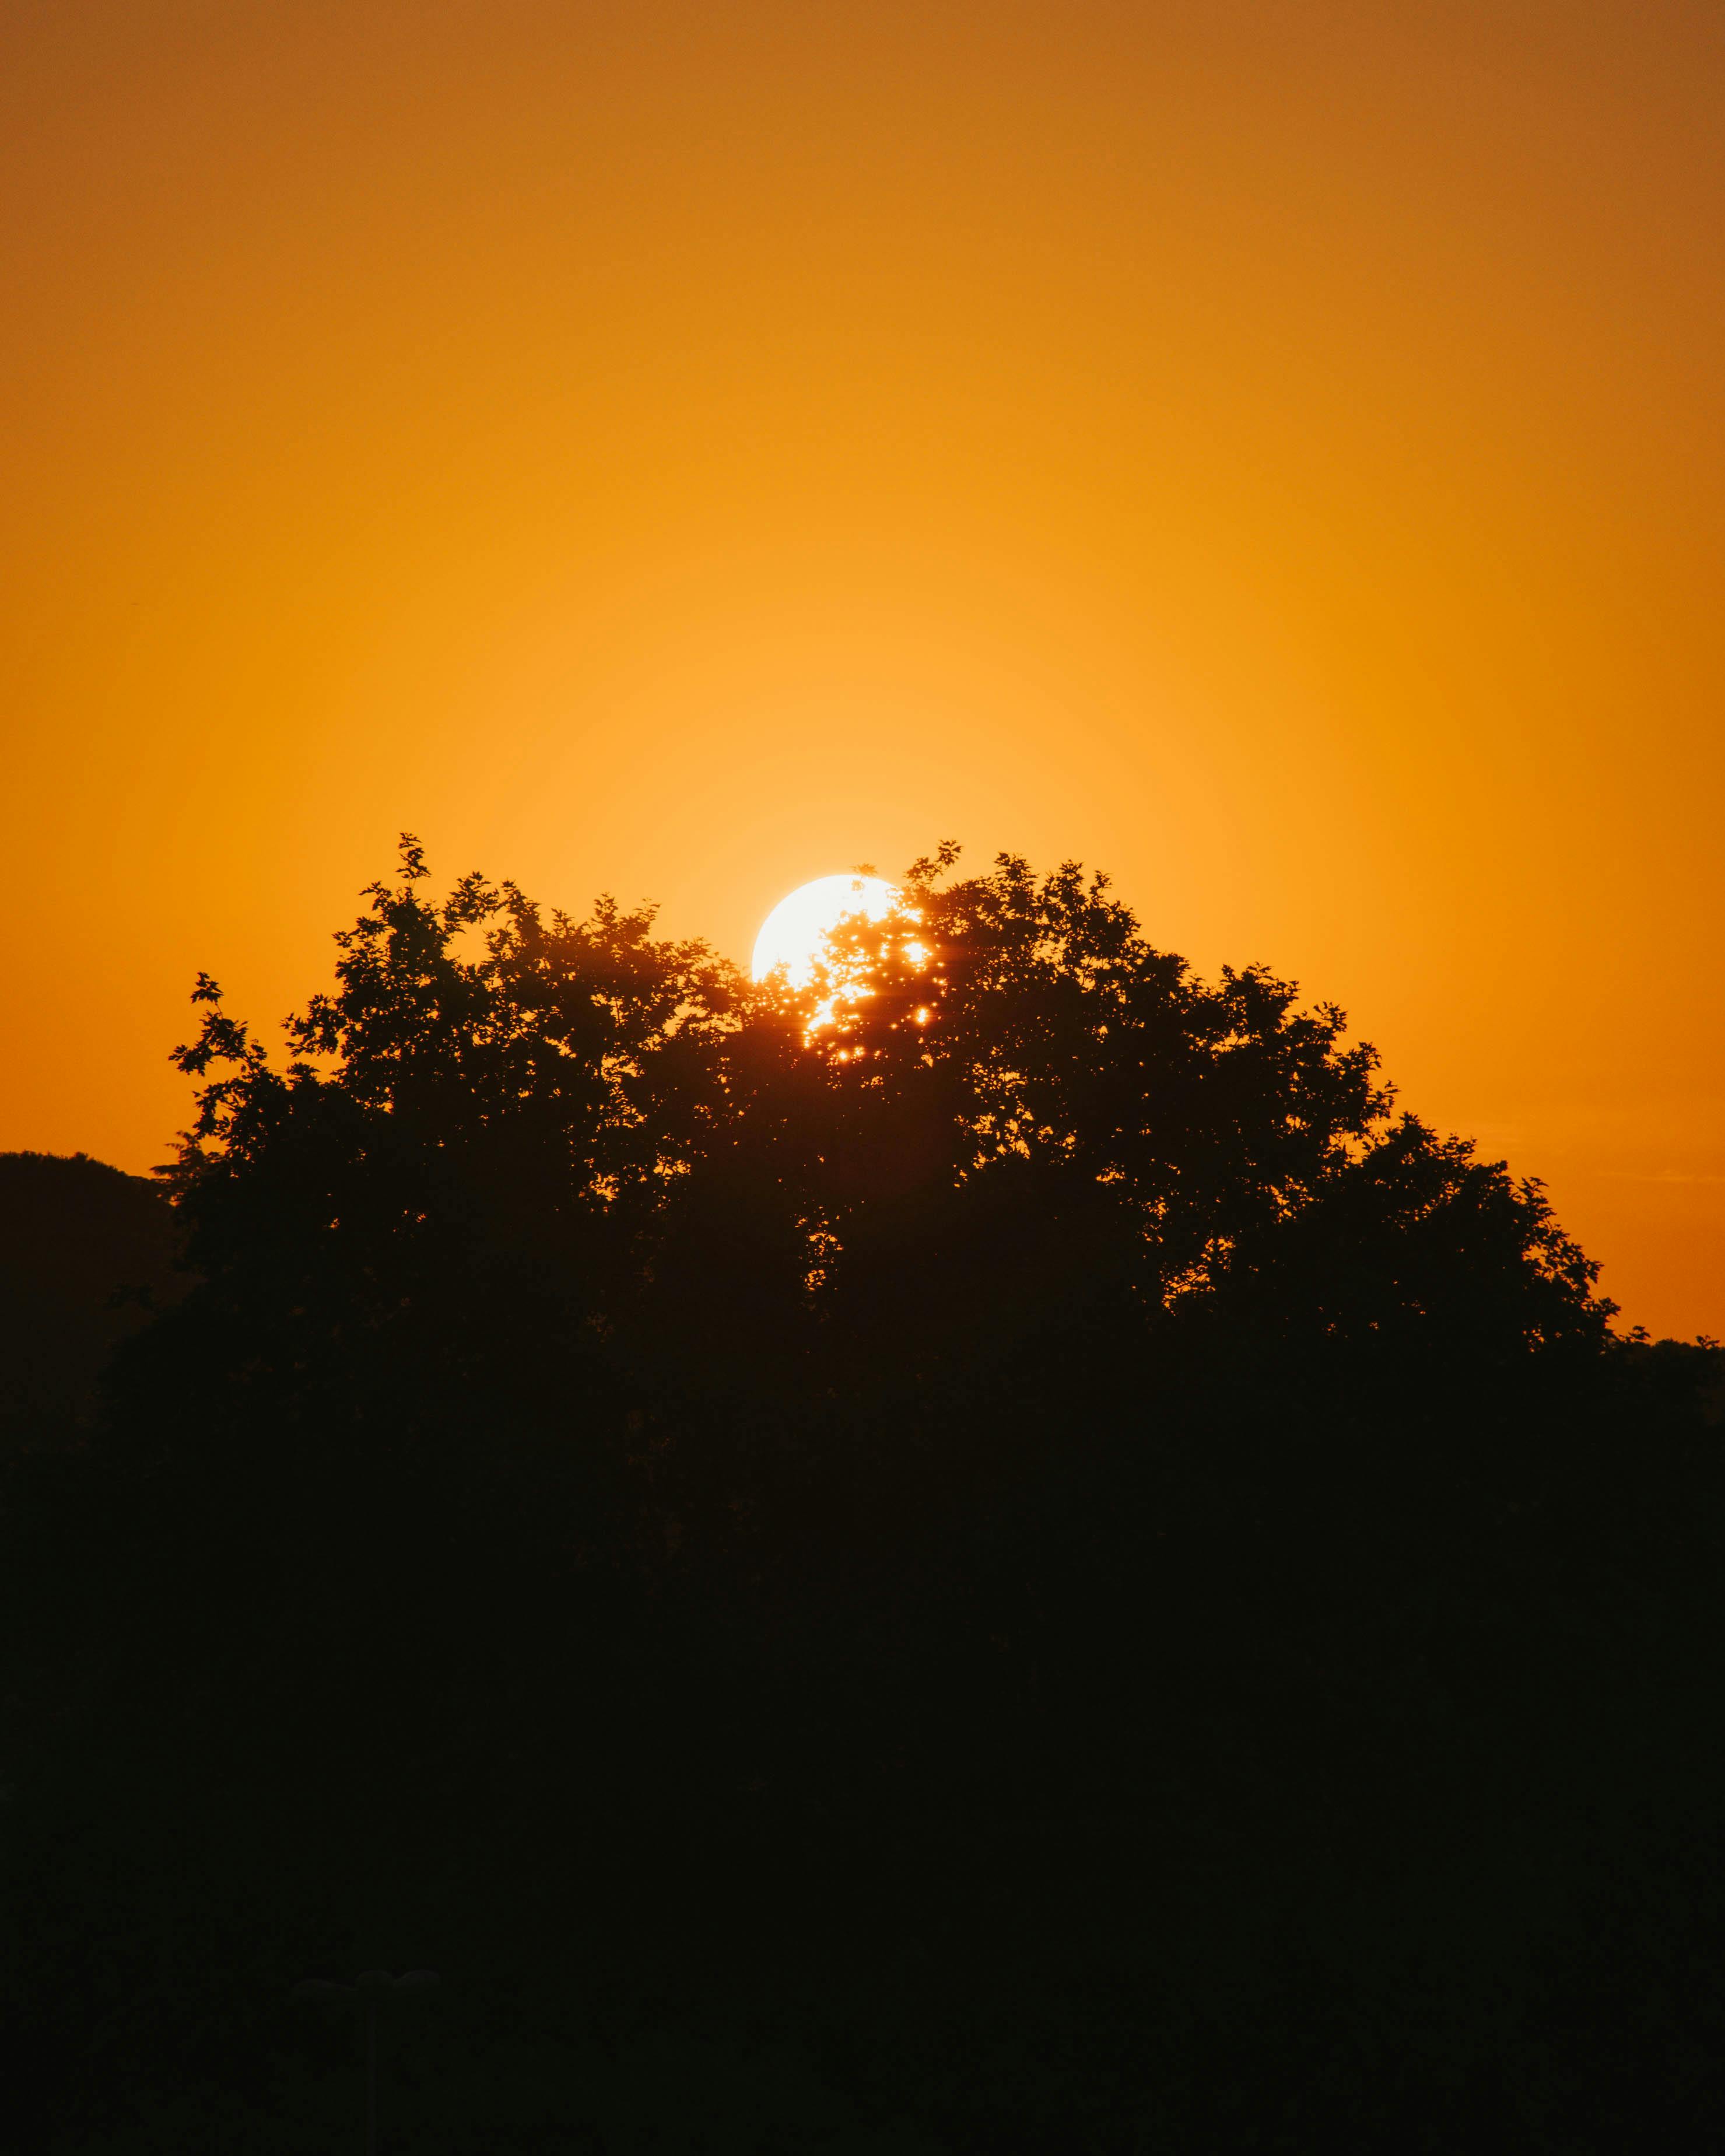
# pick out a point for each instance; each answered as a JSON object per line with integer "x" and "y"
{"x": 1271, "y": 451}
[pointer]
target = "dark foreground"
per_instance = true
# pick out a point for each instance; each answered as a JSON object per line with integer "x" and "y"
{"x": 891, "y": 1684}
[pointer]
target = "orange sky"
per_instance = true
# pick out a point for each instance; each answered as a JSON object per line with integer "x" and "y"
{"x": 1272, "y": 451}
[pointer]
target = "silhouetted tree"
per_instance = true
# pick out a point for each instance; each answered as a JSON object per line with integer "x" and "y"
{"x": 1037, "y": 1540}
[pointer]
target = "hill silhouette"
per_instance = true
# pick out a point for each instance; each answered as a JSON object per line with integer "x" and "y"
{"x": 86, "y": 1257}
{"x": 1037, "y": 1568}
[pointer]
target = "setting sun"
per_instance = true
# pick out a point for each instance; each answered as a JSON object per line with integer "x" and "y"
{"x": 794, "y": 934}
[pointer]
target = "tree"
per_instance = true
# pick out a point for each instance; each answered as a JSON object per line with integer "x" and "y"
{"x": 1048, "y": 1463}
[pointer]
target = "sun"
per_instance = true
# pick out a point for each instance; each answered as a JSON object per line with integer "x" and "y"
{"x": 794, "y": 934}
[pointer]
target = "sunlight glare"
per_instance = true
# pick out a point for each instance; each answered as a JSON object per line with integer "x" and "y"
{"x": 794, "y": 934}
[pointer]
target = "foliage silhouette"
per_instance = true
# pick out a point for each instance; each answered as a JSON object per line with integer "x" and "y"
{"x": 1032, "y": 1567}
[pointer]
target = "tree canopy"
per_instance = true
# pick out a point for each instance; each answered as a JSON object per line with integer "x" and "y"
{"x": 489, "y": 1091}
{"x": 1039, "y": 1542}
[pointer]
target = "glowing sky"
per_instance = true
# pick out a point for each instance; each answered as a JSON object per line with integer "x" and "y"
{"x": 1273, "y": 451}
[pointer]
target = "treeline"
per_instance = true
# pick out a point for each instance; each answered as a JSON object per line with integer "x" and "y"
{"x": 1033, "y": 1568}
